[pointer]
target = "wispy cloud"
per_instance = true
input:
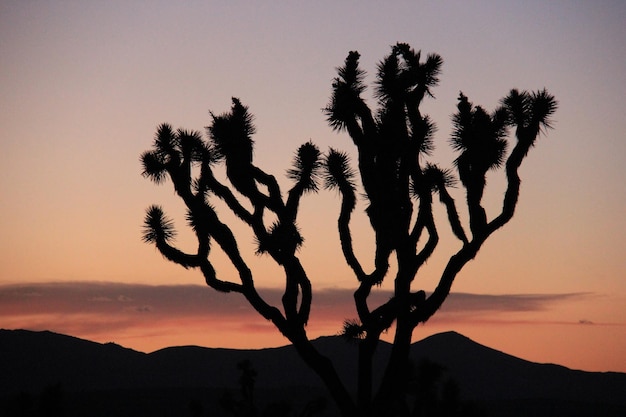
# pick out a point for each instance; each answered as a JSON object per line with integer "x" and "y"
{"x": 112, "y": 298}
{"x": 464, "y": 302}
{"x": 96, "y": 309}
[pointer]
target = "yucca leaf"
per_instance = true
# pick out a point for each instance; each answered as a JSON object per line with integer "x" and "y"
{"x": 427, "y": 130}
{"x": 350, "y": 74}
{"x": 280, "y": 238}
{"x": 431, "y": 70}
{"x": 231, "y": 133}
{"x": 542, "y": 108}
{"x": 518, "y": 106}
{"x": 337, "y": 171}
{"x": 157, "y": 226}
{"x": 166, "y": 141}
{"x": 306, "y": 167}
{"x": 191, "y": 144}
{"x": 153, "y": 166}
{"x": 353, "y": 330}
{"x": 480, "y": 137}
{"x": 439, "y": 175}
{"x": 345, "y": 98}
{"x": 387, "y": 79}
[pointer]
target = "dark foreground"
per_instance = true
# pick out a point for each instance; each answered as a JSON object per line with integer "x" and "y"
{"x": 47, "y": 374}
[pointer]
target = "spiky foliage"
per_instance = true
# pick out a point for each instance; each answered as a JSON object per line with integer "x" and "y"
{"x": 192, "y": 146}
{"x": 352, "y": 330}
{"x": 166, "y": 143}
{"x": 172, "y": 149}
{"x": 543, "y": 107}
{"x": 424, "y": 134}
{"x": 480, "y": 139}
{"x": 347, "y": 87}
{"x": 231, "y": 133}
{"x": 338, "y": 171}
{"x": 435, "y": 178}
{"x": 306, "y": 167}
{"x": 402, "y": 75}
{"x": 530, "y": 112}
{"x": 153, "y": 166}
{"x": 155, "y": 162}
{"x": 284, "y": 238}
{"x": 156, "y": 226}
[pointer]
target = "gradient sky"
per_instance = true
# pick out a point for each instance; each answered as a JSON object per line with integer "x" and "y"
{"x": 84, "y": 84}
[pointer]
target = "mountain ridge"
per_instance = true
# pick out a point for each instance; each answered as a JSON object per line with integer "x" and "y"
{"x": 31, "y": 361}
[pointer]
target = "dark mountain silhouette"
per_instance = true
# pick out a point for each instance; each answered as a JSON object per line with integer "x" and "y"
{"x": 114, "y": 376}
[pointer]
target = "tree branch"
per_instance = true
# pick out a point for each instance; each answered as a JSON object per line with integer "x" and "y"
{"x": 453, "y": 216}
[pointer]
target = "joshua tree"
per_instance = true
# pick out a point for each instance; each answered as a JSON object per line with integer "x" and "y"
{"x": 399, "y": 187}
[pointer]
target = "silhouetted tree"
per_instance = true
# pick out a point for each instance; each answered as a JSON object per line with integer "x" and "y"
{"x": 392, "y": 144}
{"x": 436, "y": 394}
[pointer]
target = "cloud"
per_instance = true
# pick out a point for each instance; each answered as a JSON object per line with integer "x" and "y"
{"x": 102, "y": 310}
{"x": 101, "y": 299}
{"x": 464, "y": 302}
{"x": 98, "y": 297}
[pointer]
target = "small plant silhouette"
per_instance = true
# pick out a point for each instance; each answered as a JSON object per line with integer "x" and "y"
{"x": 246, "y": 407}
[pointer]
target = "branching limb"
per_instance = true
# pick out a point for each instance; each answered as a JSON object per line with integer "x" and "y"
{"x": 225, "y": 238}
{"x": 434, "y": 301}
{"x": 274, "y": 200}
{"x": 339, "y": 175}
{"x": 177, "y": 256}
{"x": 212, "y": 281}
{"x": 453, "y": 215}
{"x": 430, "y": 246}
{"x": 305, "y": 173}
{"x": 530, "y": 113}
{"x": 297, "y": 284}
{"x": 480, "y": 139}
{"x": 346, "y": 109}
{"x": 159, "y": 229}
{"x": 226, "y": 195}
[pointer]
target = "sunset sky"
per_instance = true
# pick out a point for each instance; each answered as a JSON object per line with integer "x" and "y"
{"x": 84, "y": 84}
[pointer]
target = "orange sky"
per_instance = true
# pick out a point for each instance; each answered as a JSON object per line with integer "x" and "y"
{"x": 83, "y": 86}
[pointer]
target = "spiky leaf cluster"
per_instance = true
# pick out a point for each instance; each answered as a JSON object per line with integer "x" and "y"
{"x": 530, "y": 111}
{"x": 353, "y": 330}
{"x": 171, "y": 149}
{"x": 156, "y": 226}
{"x": 281, "y": 237}
{"x": 192, "y": 146}
{"x": 434, "y": 178}
{"x": 347, "y": 88}
{"x": 338, "y": 172}
{"x": 401, "y": 75}
{"x": 424, "y": 132}
{"x": 306, "y": 167}
{"x": 480, "y": 137}
{"x": 165, "y": 151}
{"x": 231, "y": 133}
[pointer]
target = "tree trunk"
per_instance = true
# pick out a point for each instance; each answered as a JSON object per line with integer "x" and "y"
{"x": 324, "y": 368}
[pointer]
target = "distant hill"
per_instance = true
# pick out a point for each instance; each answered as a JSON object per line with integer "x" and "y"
{"x": 109, "y": 379}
